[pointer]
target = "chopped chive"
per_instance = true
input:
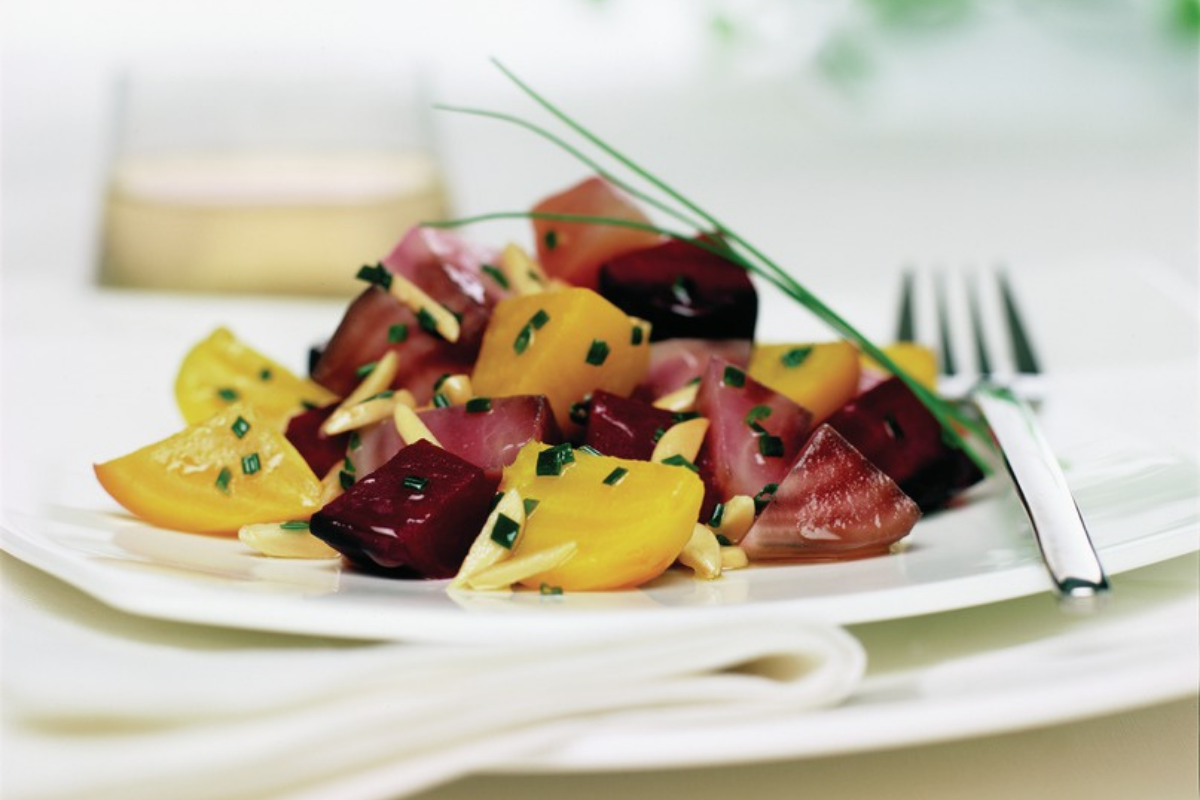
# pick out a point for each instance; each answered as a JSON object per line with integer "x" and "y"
{"x": 551, "y": 461}
{"x": 227, "y": 394}
{"x": 580, "y": 410}
{"x": 683, "y": 416}
{"x": 549, "y": 590}
{"x": 345, "y": 479}
{"x": 770, "y": 446}
{"x": 397, "y": 333}
{"x": 718, "y": 513}
{"x": 724, "y": 541}
{"x": 734, "y": 377}
{"x": 766, "y": 495}
{"x": 426, "y": 320}
{"x": 348, "y": 465}
{"x": 755, "y": 414}
{"x": 587, "y": 448}
{"x": 530, "y": 504}
{"x": 551, "y": 239}
{"x": 377, "y": 275}
{"x": 441, "y": 379}
{"x": 521, "y": 343}
{"x": 250, "y": 464}
{"x": 504, "y": 532}
{"x": 636, "y": 334}
{"x": 385, "y": 394}
{"x": 597, "y": 353}
{"x": 658, "y": 434}
{"x": 683, "y": 287}
{"x": 615, "y": 476}
{"x": 893, "y": 427}
{"x": 308, "y": 405}
{"x": 680, "y": 461}
{"x": 539, "y": 319}
{"x": 478, "y": 405}
{"x": 796, "y": 356}
{"x": 240, "y": 427}
{"x": 294, "y": 525}
{"x": 354, "y": 442}
{"x": 415, "y": 482}
{"x": 264, "y": 374}
{"x": 495, "y": 275}
{"x": 535, "y": 277}
{"x": 440, "y": 400}
{"x": 495, "y": 501}
{"x": 223, "y": 478}
{"x": 366, "y": 369}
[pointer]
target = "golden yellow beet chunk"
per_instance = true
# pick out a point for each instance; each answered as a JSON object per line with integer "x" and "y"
{"x": 822, "y": 377}
{"x": 222, "y": 370}
{"x": 917, "y": 360}
{"x": 564, "y": 345}
{"x": 630, "y": 519}
{"x": 215, "y": 476}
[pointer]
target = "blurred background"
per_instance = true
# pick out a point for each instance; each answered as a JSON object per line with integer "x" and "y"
{"x": 841, "y": 135}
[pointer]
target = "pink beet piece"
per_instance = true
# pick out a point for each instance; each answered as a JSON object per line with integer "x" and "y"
{"x": 676, "y": 362}
{"x": 624, "y": 427}
{"x": 683, "y": 290}
{"x": 319, "y": 451}
{"x": 488, "y": 432}
{"x": 755, "y": 433}
{"x": 891, "y": 427}
{"x": 414, "y": 517}
{"x": 834, "y": 504}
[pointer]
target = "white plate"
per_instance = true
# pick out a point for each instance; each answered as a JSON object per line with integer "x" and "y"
{"x": 1137, "y": 493}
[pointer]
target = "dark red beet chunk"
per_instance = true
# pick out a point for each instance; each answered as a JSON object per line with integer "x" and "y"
{"x": 321, "y": 452}
{"x": 684, "y": 291}
{"x": 754, "y": 436}
{"x": 675, "y": 362}
{"x": 834, "y": 504}
{"x": 894, "y": 430}
{"x": 490, "y": 438}
{"x": 414, "y": 517}
{"x": 625, "y": 428}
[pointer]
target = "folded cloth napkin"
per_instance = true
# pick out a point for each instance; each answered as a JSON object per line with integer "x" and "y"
{"x": 98, "y": 704}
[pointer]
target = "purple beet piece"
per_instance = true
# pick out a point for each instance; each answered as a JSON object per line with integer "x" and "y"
{"x": 625, "y": 428}
{"x": 833, "y": 504}
{"x": 321, "y": 452}
{"x": 754, "y": 436}
{"x": 684, "y": 291}
{"x": 414, "y": 517}
{"x": 892, "y": 428}
{"x": 488, "y": 432}
{"x": 377, "y": 444}
{"x": 676, "y": 362}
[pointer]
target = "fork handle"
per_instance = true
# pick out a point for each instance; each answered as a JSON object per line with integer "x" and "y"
{"x": 1057, "y": 524}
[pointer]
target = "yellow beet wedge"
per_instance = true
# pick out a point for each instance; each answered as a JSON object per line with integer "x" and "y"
{"x": 917, "y": 360}
{"x": 222, "y": 370}
{"x": 215, "y": 476}
{"x": 822, "y": 377}
{"x": 629, "y": 519}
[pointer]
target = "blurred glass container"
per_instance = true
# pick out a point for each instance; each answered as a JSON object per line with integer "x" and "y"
{"x": 280, "y": 182}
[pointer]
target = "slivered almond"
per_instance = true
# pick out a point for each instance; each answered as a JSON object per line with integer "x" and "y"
{"x": 415, "y": 298}
{"x": 518, "y": 568}
{"x": 410, "y": 427}
{"x": 272, "y": 539}
{"x": 702, "y": 553}
{"x": 525, "y": 275}
{"x": 682, "y": 439}
{"x": 734, "y": 557}
{"x": 485, "y": 551}
{"x": 456, "y": 388}
{"x": 377, "y": 380}
{"x": 331, "y": 485}
{"x": 736, "y": 518}
{"x": 679, "y": 400}
{"x": 362, "y": 414}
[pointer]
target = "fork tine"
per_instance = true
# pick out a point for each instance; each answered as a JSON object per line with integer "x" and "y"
{"x": 1022, "y": 349}
{"x": 906, "y": 329}
{"x": 949, "y": 367}
{"x": 982, "y": 357}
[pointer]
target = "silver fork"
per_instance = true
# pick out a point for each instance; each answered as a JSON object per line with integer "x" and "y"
{"x": 1003, "y": 398}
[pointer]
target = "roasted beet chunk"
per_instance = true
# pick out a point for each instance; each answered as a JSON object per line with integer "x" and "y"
{"x": 321, "y": 452}
{"x": 489, "y": 432}
{"x": 684, "y": 291}
{"x": 414, "y": 517}
{"x": 833, "y": 504}
{"x": 625, "y": 428}
{"x": 894, "y": 430}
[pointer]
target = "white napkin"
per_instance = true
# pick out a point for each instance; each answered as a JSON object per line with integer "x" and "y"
{"x": 102, "y": 705}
